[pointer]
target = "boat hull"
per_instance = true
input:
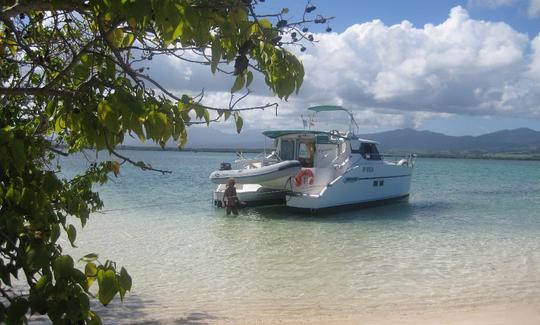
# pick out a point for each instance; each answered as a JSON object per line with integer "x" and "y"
{"x": 354, "y": 190}
{"x": 251, "y": 195}
{"x": 274, "y": 176}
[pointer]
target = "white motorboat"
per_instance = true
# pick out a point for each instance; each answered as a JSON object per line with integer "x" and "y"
{"x": 314, "y": 169}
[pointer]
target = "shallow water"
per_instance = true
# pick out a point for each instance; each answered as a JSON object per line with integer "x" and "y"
{"x": 468, "y": 235}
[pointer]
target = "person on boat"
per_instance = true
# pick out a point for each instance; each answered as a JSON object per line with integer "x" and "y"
{"x": 230, "y": 198}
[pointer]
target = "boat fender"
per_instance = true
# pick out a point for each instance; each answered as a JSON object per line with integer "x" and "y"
{"x": 303, "y": 175}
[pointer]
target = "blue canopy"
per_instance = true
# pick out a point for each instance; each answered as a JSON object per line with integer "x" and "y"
{"x": 279, "y": 133}
{"x": 326, "y": 108}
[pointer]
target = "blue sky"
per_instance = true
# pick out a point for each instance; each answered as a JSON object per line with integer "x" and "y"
{"x": 419, "y": 12}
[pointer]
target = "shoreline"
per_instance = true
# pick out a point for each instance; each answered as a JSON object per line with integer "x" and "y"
{"x": 481, "y": 156}
{"x": 520, "y": 156}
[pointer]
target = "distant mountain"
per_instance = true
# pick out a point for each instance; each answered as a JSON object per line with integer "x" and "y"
{"x": 401, "y": 140}
{"x": 517, "y": 140}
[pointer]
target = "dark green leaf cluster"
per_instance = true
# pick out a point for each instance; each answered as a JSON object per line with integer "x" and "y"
{"x": 35, "y": 207}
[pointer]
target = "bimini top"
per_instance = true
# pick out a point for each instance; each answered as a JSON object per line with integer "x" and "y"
{"x": 327, "y": 108}
{"x": 279, "y": 133}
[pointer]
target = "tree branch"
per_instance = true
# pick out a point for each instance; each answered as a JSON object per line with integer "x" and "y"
{"x": 19, "y": 8}
{"x": 141, "y": 165}
{"x": 32, "y": 91}
{"x": 60, "y": 152}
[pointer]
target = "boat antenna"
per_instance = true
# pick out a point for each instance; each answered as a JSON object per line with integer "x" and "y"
{"x": 353, "y": 126}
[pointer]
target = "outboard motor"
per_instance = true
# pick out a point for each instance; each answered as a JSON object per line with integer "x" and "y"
{"x": 225, "y": 166}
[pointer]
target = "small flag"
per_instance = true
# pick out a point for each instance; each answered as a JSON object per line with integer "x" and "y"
{"x": 304, "y": 122}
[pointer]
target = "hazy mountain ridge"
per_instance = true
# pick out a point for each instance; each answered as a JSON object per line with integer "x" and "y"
{"x": 516, "y": 140}
{"x": 522, "y": 140}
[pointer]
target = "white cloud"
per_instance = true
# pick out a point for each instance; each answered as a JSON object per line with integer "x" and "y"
{"x": 396, "y": 76}
{"x": 462, "y": 66}
{"x": 534, "y": 9}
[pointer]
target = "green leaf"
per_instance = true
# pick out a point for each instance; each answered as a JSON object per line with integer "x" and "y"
{"x": 16, "y": 310}
{"x": 265, "y": 23}
{"x": 18, "y": 152}
{"x": 227, "y": 114}
{"x": 37, "y": 303}
{"x": 128, "y": 40}
{"x": 62, "y": 266}
{"x": 108, "y": 116}
{"x": 72, "y": 234}
{"x": 55, "y": 232}
{"x": 89, "y": 257}
{"x": 51, "y": 183}
{"x": 42, "y": 282}
{"x": 238, "y": 83}
{"x": 125, "y": 279}
{"x": 124, "y": 282}
{"x": 78, "y": 277}
{"x": 182, "y": 139}
{"x": 81, "y": 72}
{"x": 238, "y": 121}
{"x": 107, "y": 286}
{"x": 116, "y": 37}
{"x": 37, "y": 257}
{"x": 249, "y": 78}
{"x": 94, "y": 319}
{"x": 84, "y": 301}
{"x": 90, "y": 270}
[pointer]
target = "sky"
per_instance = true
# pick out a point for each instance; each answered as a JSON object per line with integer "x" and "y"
{"x": 456, "y": 67}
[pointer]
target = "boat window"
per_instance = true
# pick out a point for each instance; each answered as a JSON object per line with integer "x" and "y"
{"x": 369, "y": 151}
{"x": 286, "y": 151}
{"x": 375, "y": 183}
{"x": 381, "y": 183}
{"x": 303, "y": 150}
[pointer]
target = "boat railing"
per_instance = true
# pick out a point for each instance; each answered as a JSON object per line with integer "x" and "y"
{"x": 261, "y": 158}
{"x": 340, "y": 163}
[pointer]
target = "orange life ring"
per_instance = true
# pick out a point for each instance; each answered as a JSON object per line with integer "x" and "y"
{"x": 307, "y": 173}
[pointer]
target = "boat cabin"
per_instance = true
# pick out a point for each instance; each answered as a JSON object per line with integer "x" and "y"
{"x": 316, "y": 149}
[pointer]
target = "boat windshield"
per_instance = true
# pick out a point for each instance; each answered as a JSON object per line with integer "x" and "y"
{"x": 301, "y": 149}
{"x": 369, "y": 151}
{"x": 286, "y": 151}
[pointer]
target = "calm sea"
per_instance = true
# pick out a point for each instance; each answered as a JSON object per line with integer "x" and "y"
{"x": 468, "y": 235}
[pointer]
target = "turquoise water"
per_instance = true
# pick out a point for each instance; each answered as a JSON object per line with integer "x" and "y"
{"x": 468, "y": 235}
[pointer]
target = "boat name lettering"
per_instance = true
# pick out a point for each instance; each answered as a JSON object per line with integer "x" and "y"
{"x": 367, "y": 169}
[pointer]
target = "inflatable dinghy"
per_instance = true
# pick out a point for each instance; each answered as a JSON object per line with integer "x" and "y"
{"x": 272, "y": 176}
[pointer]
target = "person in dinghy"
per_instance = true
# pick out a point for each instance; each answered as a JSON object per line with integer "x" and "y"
{"x": 230, "y": 198}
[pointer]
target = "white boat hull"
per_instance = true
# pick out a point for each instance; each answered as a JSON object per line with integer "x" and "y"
{"x": 342, "y": 194}
{"x": 274, "y": 176}
{"x": 383, "y": 182}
